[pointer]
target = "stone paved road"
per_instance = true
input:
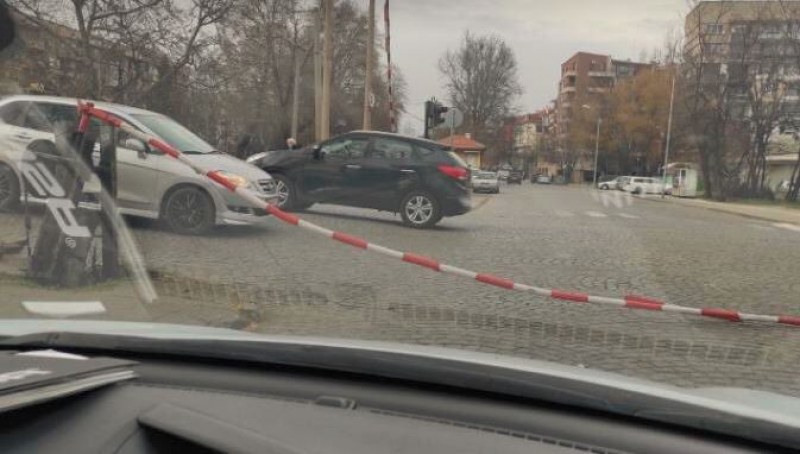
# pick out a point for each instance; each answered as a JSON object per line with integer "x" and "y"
{"x": 603, "y": 243}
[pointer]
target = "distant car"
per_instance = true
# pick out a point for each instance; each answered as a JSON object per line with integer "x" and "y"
{"x": 544, "y": 179}
{"x": 515, "y": 177}
{"x": 485, "y": 182}
{"x": 644, "y": 185}
{"x": 610, "y": 184}
{"x": 420, "y": 179}
{"x": 502, "y": 174}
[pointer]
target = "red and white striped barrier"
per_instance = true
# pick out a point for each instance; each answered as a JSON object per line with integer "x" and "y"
{"x": 629, "y": 301}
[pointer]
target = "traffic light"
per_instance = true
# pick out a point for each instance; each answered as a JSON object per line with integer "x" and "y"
{"x": 438, "y": 114}
{"x": 434, "y": 114}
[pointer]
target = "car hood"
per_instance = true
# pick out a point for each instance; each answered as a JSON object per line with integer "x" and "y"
{"x": 228, "y": 163}
{"x": 733, "y": 402}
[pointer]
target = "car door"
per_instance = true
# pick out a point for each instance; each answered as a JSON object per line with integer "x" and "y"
{"x": 139, "y": 169}
{"x": 388, "y": 171}
{"x": 13, "y": 136}
{"x": 325, "y": 177}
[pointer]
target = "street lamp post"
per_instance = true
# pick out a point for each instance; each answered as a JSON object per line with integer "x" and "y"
{"x": 596, "y": 145}
{"x": 596, "y": 152}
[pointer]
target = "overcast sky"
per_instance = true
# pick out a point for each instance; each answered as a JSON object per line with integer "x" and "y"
{"x": 542, "y": 33}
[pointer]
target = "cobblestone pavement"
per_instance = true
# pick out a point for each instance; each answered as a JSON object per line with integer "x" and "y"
{"x": 278, "y": 279}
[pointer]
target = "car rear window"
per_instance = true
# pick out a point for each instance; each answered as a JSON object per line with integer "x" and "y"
{"x": 439, "y": 155}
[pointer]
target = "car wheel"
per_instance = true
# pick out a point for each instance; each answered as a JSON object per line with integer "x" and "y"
{"x": 420, "y": 210}
{"x": 189, "y": 210}
{"x": 9, "y": 188}
{"x": 287, "y": 195}
{"x": 637, "y": 191}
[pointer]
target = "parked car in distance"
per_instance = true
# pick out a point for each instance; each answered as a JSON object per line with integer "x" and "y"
{"x": 149, "y": 183}
{"x": 644, "y": 185}
{"x": 515, "y": 177}
{"x": 421, "y": 179}
{"x": 503, "y": 174}
{"x": 544, "y": 179}
{"x": 608, "y": 184}
{"x": 483, "y": 181}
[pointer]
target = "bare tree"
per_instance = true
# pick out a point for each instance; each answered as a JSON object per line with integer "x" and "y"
{"x": 481, "y": 81}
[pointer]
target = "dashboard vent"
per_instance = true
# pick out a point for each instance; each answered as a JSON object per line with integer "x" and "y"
{"x": 578, "y": 447}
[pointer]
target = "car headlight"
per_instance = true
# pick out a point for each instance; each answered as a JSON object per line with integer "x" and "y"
{"x": 252, "y": 159}
{"x": 237, "y": 180}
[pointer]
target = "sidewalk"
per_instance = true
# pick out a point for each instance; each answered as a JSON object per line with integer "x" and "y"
{"x": 765, "y": 213}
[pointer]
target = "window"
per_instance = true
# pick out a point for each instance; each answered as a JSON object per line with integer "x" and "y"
{"x": 392, "y": 150}
{"x": 347, "y": 148}
{"x": 714, "y": 29}
{"x": 42, "y": 117}
{"x": 12, "y": 113}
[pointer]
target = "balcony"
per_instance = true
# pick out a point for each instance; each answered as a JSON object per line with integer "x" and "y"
{"x": 601, "y": 73}
{"x": 598, "y": 89}
{"x": 568, "y": 89}
{"x": 569, "y": 73}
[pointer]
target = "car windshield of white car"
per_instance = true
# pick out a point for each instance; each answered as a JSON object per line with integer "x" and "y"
{"x": 174, "y": 133}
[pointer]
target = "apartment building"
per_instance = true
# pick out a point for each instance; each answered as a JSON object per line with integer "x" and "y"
{"x": 585, "y": 77}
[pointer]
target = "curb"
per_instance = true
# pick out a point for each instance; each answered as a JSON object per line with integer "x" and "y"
{"x": 720, "y": 210}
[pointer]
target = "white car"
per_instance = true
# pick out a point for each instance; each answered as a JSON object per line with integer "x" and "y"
{"x": 610, "y": 184}
{"x": 149, "y": 183}
{"x": 485, "y": 182}
{"x": 644, "y": 185}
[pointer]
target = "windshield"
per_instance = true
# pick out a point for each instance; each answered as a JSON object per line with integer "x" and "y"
{"x": 642, "y": 217}
{"x": 174, "y": 133}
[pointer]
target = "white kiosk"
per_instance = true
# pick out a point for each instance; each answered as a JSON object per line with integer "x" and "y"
{"x": 684, "y": 179}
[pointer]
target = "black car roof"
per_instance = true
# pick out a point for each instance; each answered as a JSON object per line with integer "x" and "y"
{"x": 393, "y": 135}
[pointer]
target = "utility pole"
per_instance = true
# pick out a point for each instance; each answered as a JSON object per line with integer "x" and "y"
{"x": 318, "y": 76}
{"x": 669, "y": 134}
{"x": 596, "y": 152}
{"x": 327, "y": 71}
{"x": 368, "y": 72}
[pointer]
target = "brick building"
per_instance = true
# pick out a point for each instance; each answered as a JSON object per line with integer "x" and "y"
{"x": 585, "y": 77}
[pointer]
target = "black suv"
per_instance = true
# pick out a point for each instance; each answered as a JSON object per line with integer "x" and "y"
{"x": 418, "y": 178}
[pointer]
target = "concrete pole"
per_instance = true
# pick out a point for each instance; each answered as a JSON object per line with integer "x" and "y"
{"x": 317, "y": 76}
{"x": 596, "y": 152}
{"x": 327, "y": 71}
{"x": 296, "y": 93}
{"x": 669, "y": 134}
{"x": 369, "y": 69}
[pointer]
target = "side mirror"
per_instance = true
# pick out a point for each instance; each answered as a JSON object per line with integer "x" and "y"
{"x": 317, "y": 153}
{"x": 136, "y": 145}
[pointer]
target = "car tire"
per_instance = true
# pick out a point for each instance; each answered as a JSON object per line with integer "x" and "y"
{"x": 287, "y": 194}
{"x": 9, "y": 189}
{"x": 420, "y": 210}
{"x": 636, "y": 191}
{"x": 189, "y": 210}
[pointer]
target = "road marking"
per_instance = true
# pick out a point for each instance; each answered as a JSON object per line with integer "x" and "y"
{"x": 595, "y": 214}
{"x": 628, "y": 216}
{"x": 792, "y": 227}
{"x": 761, "y": 226}
{"x": 564, "y": 214}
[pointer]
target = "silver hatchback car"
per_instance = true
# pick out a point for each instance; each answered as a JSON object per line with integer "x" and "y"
{"x": 149, "y": 183}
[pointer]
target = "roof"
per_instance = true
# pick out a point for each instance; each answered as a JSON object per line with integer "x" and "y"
{"x": 394, "y": 135}
{"x": 74, "y": 101}
{"x": 462, "y": 142}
